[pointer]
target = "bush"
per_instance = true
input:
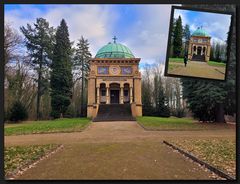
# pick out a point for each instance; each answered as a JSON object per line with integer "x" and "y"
{"x": 18, "y": 112}
{"x": 70, "y": 113}
{"x": 180, "y": 112}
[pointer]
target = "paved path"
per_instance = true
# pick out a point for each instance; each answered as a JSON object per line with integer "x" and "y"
{"x": 115, "y": 150}
{"x": 197, "y": 69}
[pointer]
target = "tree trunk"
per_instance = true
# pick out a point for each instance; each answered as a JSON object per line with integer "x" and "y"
{"x": 219, "y": 115}
{"x": 39, "y": 86}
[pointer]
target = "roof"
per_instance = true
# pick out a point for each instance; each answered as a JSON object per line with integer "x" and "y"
{"x": 200, "y": 32}
{"x": 114, "y": 50}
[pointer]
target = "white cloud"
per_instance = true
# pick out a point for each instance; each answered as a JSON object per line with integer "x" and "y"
{"x": 149, "y": 35}
{"x": 92, "y": 21}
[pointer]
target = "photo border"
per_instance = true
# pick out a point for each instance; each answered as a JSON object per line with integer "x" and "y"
{"x": 169, "y": 42}
{"x": 219, "y": 2}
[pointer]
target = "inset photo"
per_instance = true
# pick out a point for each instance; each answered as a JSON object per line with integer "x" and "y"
{"x": 198, "y": 44}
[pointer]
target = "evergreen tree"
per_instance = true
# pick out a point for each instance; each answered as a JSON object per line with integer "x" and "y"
{"x": 18, "y": 112}
{"x": 218, "y": 53}
{"x": 39, "y": 41}
{"x": 177, "y": 38}
{"x": 186, "y": 36}
{"x": 205, "y": 99}
{"x": 212, "y": 52}
{"x": 81, "y": 63}
{"x": 61, "y": 75}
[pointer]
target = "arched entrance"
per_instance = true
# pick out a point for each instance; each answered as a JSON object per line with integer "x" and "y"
{"x": 199, "y": 50}
{"x": 114, "y": 93}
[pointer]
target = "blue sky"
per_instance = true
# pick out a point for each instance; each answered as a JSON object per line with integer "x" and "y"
{"x": 142, "y": 28}
{"x": 217, "y": 25}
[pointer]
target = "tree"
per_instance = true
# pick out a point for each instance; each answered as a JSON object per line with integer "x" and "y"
{"x": 186, "y": 37}
{"x": 81, "y": 63}
{"x": 12, "y": 41}
{"x": 18, "y": 112}
{"x": 39, "y": 41}
{"x": 177, "y": 38}
{"x": 161, "y": 106}
{"x": 61, "y": 75}
{"x": 147, "y": 91}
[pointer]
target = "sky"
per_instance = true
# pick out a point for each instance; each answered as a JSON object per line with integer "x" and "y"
{"x": 217, "y": 25}
{"x": 142, "y": 28}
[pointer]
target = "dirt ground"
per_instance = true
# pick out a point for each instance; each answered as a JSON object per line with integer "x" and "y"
{"x": 116, "y": 150}
{"x": 197, "y": 69}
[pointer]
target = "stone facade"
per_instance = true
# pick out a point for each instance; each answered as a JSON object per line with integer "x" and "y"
{"x": 114, "y": 81}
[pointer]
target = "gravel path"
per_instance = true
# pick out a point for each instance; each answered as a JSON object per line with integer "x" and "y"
{"x": 115, "y": 150}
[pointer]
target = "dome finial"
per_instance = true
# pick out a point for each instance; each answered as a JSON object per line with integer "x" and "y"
{"x": 114, "y": 39}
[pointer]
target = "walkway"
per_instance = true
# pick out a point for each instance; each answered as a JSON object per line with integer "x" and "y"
{"x": 197, "y": 69}
{"x": 115, "y": 150}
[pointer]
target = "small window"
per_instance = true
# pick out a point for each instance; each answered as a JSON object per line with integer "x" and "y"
{"x": 103, "y": 92}
{"x": 125, "y": 92}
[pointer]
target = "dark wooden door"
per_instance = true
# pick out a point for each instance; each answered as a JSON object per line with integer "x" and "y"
{"x": 114, "y": 96}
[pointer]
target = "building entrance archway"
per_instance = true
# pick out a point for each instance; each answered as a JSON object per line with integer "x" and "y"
{"x": 114, "y": 93}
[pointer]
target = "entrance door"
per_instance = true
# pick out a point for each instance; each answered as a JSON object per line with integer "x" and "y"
{"x": 114, "y": 97}
{"x": 199, "y": 50}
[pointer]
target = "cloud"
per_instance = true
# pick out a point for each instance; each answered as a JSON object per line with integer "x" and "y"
{"x": 148, "y": 36}
{"x": 146, "y": 33}
{"x": 91, "y": 21}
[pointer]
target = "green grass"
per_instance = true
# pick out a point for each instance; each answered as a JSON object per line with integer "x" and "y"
{"x": 220, "y": 153}
{"x": 17, "y": 157}
{"x": 214, "y": 63}
{"x": 171, "y": 123}
{"x": 178, "y": 60}
{"x": 58, "y": 125}
{"x": 174, "y": 123}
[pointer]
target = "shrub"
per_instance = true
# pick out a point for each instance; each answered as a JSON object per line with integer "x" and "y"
{"x": 18, "y": 112}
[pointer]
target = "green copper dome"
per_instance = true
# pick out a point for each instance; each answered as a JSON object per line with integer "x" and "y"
{"x": 200, "y": 32}
{"x": 114, "y": 50}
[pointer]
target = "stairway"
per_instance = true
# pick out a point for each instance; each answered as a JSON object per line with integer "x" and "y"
{"x": 114, "y": 112}
{"x": 198, "y": 58}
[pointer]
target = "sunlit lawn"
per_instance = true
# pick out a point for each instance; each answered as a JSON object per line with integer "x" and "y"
{"x": 58, "y": 125}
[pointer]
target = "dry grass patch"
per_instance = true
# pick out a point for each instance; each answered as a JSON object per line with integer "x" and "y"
{"x": 220, "y": 153}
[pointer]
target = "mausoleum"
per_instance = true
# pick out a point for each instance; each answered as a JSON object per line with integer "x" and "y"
{"x": 114, "y": 84}
{"x": 199, "y": 46}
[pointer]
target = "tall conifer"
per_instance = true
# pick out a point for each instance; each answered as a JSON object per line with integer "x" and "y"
{"x": 61, "y": 75}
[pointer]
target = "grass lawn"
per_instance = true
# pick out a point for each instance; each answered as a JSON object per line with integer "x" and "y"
{"x": 17, "y": 157}
{"x": 174, "y": 123}
{"x": 47, "y": 126}
{"x": 214, "y": 63}
{"x": 179, "y": 60}
{"x": 220, "y": 153}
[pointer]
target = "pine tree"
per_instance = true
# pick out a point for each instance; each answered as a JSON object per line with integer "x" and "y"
{"x": 177, "y": 38}
{"x": 39, "y": 41}
{"x": 81, "y": 64}
{"x": 61, "y": 75}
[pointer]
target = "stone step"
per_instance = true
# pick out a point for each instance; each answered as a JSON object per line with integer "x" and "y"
{"x": 114, "y": 112}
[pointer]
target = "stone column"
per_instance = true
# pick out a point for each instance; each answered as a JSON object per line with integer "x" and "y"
{"x": 121, "y": 95}
{"x": 107, "y": 95}
{"x": 98, "y": 97}
{"x": 131, "y": 95}
{"x": 91, "y": 97}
